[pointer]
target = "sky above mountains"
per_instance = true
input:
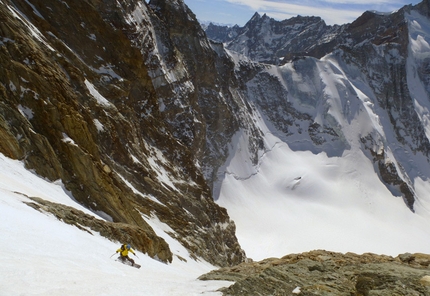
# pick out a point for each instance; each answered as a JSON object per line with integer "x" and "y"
{"x": 331, "y": 11}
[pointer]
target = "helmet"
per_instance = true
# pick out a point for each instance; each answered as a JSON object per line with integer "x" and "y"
{"x": 128, "y": 247}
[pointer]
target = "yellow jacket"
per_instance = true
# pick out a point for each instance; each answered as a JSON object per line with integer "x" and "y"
{"x": 124, "y": 251}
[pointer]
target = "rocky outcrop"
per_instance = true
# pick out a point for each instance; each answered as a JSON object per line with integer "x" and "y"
{"x": 328, "y": 273}
{"x": 142, "y": 239}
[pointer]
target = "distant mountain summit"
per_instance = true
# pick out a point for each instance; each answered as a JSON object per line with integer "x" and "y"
{"x": 266, "y": 40}
{"x": 222, "y": 33}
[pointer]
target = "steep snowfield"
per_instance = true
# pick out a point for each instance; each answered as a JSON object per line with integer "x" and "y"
{"x": 43, "y": 256}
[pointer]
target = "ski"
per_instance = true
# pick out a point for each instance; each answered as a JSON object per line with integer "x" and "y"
{"x": 135, "y": 265}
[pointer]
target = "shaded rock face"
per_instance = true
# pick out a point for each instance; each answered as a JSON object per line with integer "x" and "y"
{"x": 89, "y": 99}
{"x": 198, "y": 104}
{"x": 327, "y": 273}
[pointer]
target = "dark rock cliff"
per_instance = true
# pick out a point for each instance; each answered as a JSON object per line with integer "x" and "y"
{"x": 80, "y": 102}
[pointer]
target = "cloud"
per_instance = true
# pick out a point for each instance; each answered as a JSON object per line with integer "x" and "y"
{"x": 282, "y": 10}
{"x": 332, "y": 11}
{"x": 366, "y": 2}
{"x": 319, "y": 3}
{"x": 256, "y": 4}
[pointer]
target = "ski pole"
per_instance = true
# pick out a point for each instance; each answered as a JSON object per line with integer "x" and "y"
{"x": 112, "y": 255}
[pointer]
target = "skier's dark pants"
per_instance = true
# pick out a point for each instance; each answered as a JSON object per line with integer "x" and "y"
{"x": 123, "y": 258}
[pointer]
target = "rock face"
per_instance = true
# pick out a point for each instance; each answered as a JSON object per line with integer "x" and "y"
{"x": 327, "y": 273}
{"x": 99, "y": 95}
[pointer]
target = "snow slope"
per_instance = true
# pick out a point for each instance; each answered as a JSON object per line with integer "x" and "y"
{"x": 43, "y": 256}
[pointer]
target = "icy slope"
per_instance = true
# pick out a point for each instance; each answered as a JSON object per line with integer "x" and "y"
{"x": 43, "y": 256}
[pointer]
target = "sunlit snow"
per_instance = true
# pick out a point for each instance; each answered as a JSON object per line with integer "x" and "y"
{"x": 96, "y": 95}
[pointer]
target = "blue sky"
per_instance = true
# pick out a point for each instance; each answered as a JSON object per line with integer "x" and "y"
{"x": 331, "y": 11}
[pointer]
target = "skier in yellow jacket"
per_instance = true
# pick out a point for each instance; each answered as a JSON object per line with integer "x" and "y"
{"x": 123, "y": 251}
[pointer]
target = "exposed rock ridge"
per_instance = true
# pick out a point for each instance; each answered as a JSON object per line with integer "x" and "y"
{"x": 328, "y": 273}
